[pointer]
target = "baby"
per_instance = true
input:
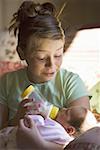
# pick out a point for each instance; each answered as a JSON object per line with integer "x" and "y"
{"x": 69, "y": 123}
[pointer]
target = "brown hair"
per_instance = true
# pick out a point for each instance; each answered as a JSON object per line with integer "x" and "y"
{"x": 36, "y": 21}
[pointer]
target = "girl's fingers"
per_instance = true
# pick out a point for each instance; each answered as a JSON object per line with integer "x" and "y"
{"x": 23, "y": 102}
{"x": 21, "y": 124}
{"x": 28, "y": 121}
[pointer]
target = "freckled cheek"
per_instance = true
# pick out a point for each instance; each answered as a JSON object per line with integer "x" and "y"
{"x": 34, "y": 65}
{"x": 58, "y": 63}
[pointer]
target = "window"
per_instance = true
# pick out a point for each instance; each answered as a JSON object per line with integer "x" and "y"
{"x": 83, "y": 56}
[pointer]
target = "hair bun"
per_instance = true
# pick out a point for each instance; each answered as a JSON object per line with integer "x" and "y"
{"x": 26, "y": 10}
{"x": 30, "y": 9}
{"x": 48, "y": 8}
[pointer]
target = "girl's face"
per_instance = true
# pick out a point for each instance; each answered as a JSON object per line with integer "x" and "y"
{"x": 45, "y": 61}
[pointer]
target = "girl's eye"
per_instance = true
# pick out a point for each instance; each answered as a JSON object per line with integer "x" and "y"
{"x": 58, "y": 56}
{"x": 41, "y": 59}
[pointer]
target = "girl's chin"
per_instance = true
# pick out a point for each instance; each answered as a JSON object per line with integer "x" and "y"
{"x": 47, "y": 78}
{"x": 43, "y": 78}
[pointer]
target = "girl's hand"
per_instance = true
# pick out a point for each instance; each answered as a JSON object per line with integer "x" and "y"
{"x": 29, "y": 131}
{"x": 36, "y": 107}
{"x": 39, "y": 107}
{"x": 23, "y": 108}
{"x": 29, "y": 107}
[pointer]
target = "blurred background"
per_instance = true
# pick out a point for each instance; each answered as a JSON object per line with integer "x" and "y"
{"x": 76, "y": 12}
{"x": 81, "y": 22}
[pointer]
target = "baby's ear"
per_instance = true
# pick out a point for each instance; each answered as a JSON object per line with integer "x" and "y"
{"x": 20, "y": 53}
{"x": 71, "y": 130}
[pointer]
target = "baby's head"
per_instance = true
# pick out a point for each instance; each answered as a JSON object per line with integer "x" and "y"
{"x": 76, "y": 119}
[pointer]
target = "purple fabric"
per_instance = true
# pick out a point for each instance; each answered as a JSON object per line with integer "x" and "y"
{"x": 51, "y": 130}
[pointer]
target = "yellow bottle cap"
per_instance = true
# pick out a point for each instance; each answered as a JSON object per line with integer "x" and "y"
{"x": 27, "y": 91}
{"x": 54, "y": 112}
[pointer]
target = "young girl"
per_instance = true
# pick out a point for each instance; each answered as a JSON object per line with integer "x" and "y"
{"x": 41, "y": 43}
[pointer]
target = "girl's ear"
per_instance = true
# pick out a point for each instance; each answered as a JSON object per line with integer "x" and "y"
{"x": 71, "y": 130}
{"x": 20, "y": 53}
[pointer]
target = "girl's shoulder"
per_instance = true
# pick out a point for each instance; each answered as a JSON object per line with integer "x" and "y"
{"x": 67, "y": 75}
{"x": 14, "y": 73}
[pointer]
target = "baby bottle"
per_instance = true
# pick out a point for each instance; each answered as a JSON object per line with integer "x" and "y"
{"x": 45, "y": 108}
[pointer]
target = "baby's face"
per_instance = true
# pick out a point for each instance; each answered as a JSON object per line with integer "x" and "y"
{"x": 63, "y": 117}
{"x": 71, "y": 115}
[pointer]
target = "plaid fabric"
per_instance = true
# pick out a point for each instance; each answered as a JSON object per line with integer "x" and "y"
{"x": 82, "y": 146}
{"x": 90, "y": 140}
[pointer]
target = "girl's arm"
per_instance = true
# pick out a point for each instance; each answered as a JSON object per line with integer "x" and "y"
{"x": 32, "y": 138}
{"x": 83, "y": 101}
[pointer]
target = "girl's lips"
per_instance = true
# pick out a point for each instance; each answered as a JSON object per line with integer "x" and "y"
{"x": 50, "y": 74}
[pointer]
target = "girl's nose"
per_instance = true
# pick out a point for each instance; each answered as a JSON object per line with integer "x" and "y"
{"x": 49, "y": 62}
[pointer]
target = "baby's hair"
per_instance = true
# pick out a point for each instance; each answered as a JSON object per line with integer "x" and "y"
{"x": 78, "y": 115}
{"x": 36, "y": 21}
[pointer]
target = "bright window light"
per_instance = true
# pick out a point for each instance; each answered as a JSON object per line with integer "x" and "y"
{"x": 83, "y": 56}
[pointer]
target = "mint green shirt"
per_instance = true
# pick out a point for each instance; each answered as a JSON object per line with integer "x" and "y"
{"x": 60, "y": 91}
